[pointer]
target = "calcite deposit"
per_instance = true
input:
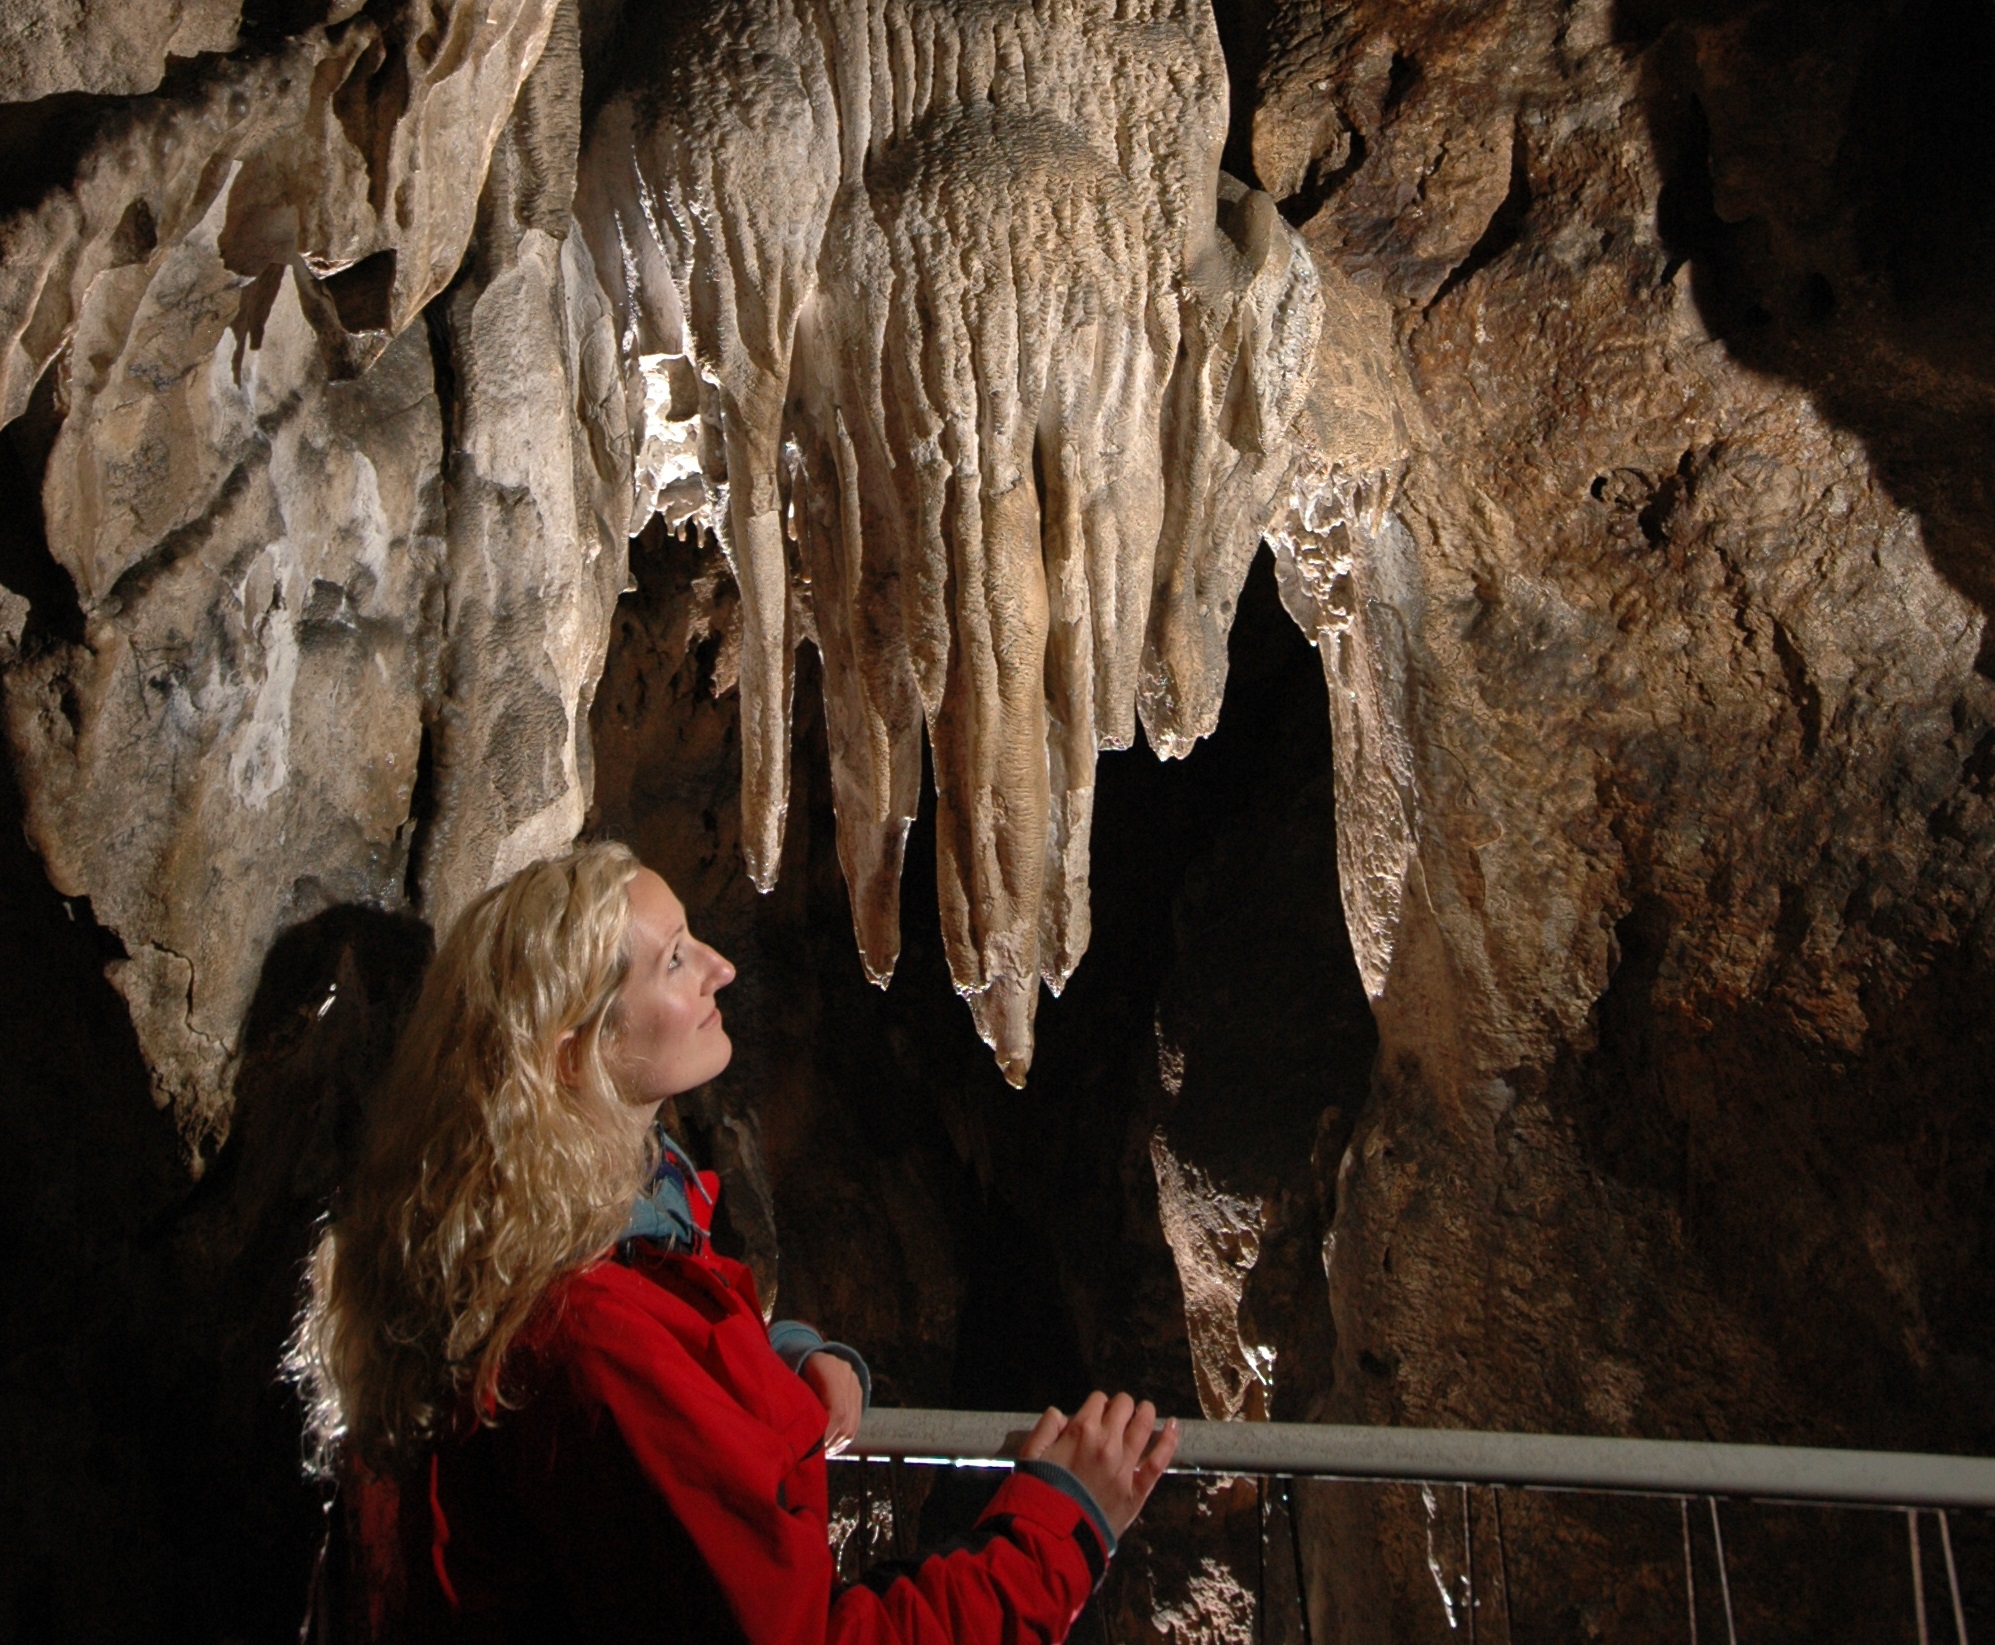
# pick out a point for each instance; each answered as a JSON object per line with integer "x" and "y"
{"x": 1561, "y": 999}
{"x": 998, "y": 381}
{"x": 302, "y": 580}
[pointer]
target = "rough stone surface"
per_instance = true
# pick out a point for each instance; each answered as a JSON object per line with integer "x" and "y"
{"x": 539, "y": 480}
{"x": 1639, "y": 520}
{"x": 290, "y": 601}
{"x": 229, "y": 743}
{"x": 106, "y": 47}
{"x": 354, "y": 148}
{"x": 1670, "y": 648}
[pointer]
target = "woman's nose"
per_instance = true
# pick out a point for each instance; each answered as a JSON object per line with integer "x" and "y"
{"x": 720, "y": 972}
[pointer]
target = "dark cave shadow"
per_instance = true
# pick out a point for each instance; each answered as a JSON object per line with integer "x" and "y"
{"x": 1864, "y": 275}
{"x": 142, "y": 1420}
{"x": 317, "y": 1038}
{"x": 1217, "y": 924}
{"x": 86, "y": 1161}
{"x": 1742, "y": 1146}
{"x": 1859, "y": 134}
{"x": 1750, "y": 1141}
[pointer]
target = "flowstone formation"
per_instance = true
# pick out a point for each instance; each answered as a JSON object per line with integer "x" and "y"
{"x": 997, "y": 382}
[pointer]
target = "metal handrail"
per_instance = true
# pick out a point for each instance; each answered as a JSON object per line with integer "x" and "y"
{"x": 1786, "y": 1473}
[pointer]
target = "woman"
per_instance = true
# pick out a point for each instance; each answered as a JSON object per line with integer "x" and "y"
{"x": 554, "y": 1406}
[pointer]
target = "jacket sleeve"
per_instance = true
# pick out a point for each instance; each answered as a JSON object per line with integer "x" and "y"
{"x": 724, "y": 1479}
{"x": 794, "y": 1342}
{"x": 1020, "y": 1578}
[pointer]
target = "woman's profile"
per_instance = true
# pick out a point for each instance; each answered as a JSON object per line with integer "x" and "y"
{"x": 551, "y": 1405}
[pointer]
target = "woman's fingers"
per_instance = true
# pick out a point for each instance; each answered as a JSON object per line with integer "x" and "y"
{"x": 1114, "y": 1447}
{"x": 1047, "y": 1429}
{"x": 837, "y": 1386}
{"x": 1136, "y": 1433}
{"x": 1157, "y": 1459}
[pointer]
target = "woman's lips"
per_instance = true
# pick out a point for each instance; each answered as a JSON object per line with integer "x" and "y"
{"x": 713, "y": 1017}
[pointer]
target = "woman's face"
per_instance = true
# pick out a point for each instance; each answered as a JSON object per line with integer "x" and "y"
{"x": 669, "y": 1036}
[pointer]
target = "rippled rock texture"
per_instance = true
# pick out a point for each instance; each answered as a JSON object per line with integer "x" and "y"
{"x": 998, "y": 382}
{"x": 211, "y": 333}
{"x": 1614, "y": 389}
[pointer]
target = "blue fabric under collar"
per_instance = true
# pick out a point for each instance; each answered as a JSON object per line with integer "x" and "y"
{"x": 664, "y": 1211}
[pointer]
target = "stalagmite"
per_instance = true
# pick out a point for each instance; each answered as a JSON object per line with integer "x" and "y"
{"x": 998, "y": 382}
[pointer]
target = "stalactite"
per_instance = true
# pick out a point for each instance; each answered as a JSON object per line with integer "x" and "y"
{"x": 998, "y": 383}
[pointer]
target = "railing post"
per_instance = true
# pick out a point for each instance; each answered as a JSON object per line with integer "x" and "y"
{"x": 1295, "y": 1541}
{"x": 1468, "y": 1561}
{"x": 1261, "y": 1558}
{"x": 1724, "y": 1576}
{"x": 1918, "y": 1575}
{"x": 1689, "y": 1567}
{"x": 1953, "y": 1580}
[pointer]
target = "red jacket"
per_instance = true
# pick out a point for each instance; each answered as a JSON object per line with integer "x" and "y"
{"x": 664, "y": 1470}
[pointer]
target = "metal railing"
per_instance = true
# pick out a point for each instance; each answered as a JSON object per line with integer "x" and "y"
{"x": 1915, "y": 1483}
{"x": 1660, "y": 1467}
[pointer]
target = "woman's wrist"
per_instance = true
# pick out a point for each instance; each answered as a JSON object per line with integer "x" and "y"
{"x": 1061, "y": 1479}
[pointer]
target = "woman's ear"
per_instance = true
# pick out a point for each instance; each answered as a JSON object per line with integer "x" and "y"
{"x": 568, "y": 1059}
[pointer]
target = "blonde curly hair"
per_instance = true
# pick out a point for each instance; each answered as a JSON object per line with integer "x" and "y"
{"x": 485, "y": 1174}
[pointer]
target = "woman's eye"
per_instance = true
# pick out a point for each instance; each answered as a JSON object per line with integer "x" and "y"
{"x": 673, "y": 963}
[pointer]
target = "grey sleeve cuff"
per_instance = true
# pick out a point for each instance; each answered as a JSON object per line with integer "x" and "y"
{"x": 1054, "y": 1475}
{"x": 795, "y": 1342}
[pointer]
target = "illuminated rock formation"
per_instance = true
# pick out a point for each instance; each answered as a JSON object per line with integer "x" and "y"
{"x": 998, "y": 383}
{"x": 245, "y": 461}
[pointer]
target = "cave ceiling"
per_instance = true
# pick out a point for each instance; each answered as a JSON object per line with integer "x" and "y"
{"x": 946, "y": 321}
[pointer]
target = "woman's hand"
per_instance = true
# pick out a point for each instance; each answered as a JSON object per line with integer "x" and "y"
{"x": 1103, "y": 1446}
{"x": 836, "y": 1385}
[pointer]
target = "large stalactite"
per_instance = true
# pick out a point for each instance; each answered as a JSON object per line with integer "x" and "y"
{"x": 998, "y": 382}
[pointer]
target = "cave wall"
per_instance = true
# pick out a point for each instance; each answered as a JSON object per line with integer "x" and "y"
{"x": 1647, "y": 751}
{"x": 1681, "y": 1123}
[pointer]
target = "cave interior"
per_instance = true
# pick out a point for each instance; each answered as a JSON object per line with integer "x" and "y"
{"x": 1328, "y": 667}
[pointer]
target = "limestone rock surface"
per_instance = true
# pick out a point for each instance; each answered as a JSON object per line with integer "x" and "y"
{"x": 1614, "y": 385}
{"x": 997, "y": 381}
{"x": 354, "y": 148}
{"x": 1662, "y": 804}
{"x": 335, "y": 620}
{"x": 229, "y": 742}
{"x": 539, "y": 486}
{"x": 106, "y": 47}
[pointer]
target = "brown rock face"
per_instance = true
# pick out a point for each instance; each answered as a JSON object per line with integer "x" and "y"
{"x": 1682, "y": 1121}
{"x": 106, "y": 49}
